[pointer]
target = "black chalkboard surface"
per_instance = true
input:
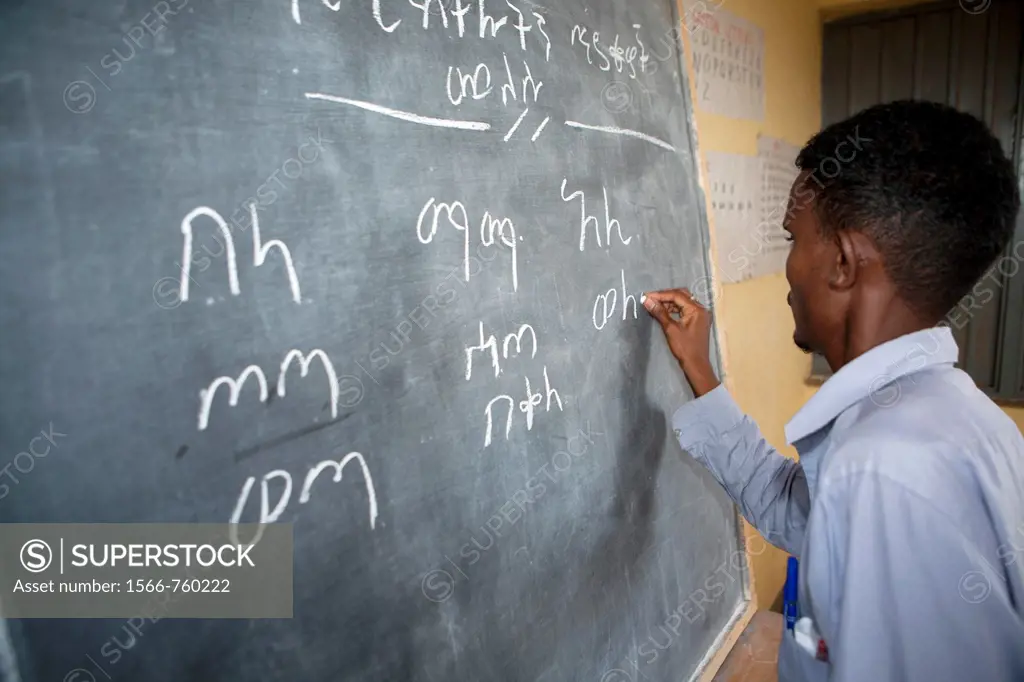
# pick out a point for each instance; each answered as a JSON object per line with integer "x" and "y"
{"x": 244, "y": 238}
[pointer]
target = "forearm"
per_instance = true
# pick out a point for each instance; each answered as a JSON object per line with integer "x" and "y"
{"x": 770, "y": 489}
{"x": 701, "y": 377}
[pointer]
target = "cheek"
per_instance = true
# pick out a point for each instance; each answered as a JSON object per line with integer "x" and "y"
{"x": 797, "y": 274}
{"x": 794, "y": 266}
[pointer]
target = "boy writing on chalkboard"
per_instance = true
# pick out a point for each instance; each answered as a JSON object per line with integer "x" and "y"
{"x": 906, "y": 509}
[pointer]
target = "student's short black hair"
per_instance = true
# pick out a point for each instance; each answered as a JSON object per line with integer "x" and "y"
{"x": 930, "y": 185}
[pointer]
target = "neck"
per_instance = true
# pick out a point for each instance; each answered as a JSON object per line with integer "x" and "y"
{"x": 875, "y": 321}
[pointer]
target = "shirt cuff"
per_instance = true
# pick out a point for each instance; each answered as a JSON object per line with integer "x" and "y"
{"x": 706, "y": 418}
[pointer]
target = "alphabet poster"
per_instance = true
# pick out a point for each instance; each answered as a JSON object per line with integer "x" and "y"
{"x": 778, "y": 171}
{"x": 728, "y": 61}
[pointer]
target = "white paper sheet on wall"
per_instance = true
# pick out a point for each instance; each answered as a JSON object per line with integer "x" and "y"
{"x": 728, "y": 60}
{"x": 778, "y": 171}
{"x": 735, "y": 187}
{"x": 749, "y": 196}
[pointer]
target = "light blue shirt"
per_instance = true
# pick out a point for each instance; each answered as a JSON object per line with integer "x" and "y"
{"x": 906, "y": 511}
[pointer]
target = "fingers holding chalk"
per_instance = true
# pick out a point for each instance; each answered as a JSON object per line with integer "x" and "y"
{"x": 680, "y": 299}
{"x": 657, "y": 311}
{"x": 687, "y": 327}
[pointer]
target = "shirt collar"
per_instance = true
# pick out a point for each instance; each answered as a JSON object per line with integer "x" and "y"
{"x": 871, "y": 372}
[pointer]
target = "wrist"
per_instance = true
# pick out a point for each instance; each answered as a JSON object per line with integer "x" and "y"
{"x": 701, "y": 376}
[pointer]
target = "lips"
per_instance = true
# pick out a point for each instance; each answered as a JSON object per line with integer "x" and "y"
{"x": 789, "y": 299}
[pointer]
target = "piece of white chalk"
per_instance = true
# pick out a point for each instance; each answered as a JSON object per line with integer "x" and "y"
{"x": 643, "y": 297}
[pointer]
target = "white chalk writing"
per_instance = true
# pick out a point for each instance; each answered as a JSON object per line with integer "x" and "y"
{"x": 622, "y": 131}
{"x": 235, "y": 385}
{"x": 589, "y": 220}
{"x": 491, "y": 229}
{"x": 186, "y": 231}
{"x": 259, "y": 255}
{"x": 268, "y": 515}
{"x": 402, "y": 115}
{"x": 491, "y": 344}
{"x": 469, "y": 82}
{"x": 260, "y": 251}
{"x": 607, "y": 303}
{"x": 530, "y": 87}
{"x": 533, "y": 399}
{"x": 618, "y": 57}
{"x": 453, "y": 14}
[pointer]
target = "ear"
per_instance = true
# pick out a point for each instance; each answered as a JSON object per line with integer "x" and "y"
{"x": 852, "y": 251}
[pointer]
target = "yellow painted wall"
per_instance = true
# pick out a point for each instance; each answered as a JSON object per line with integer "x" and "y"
{"x": 765, "y": 372}
{"x": 1017, "y": 415}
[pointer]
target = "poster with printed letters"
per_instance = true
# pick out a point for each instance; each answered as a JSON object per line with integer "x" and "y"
{"x": 728, "y": 61}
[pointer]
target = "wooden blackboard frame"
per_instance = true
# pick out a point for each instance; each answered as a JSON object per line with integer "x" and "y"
{"x": 727, "y": 639}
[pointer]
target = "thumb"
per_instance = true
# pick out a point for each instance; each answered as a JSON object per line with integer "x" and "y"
{"x": 657, "y": 311}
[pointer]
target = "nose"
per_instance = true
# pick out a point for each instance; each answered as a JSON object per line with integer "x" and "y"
{"x": 789, "y": 299}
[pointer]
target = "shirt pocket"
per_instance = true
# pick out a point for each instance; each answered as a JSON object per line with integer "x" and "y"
{"x": 797, "y": 665}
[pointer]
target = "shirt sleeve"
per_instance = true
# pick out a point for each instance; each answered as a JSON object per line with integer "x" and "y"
{"x": 769, "y": 488}
{"x": 917, "y": 601}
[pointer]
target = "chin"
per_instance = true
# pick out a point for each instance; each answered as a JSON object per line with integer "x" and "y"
{"x": 802, "y": 345}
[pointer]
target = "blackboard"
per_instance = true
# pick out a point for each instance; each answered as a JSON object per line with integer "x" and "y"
{"x": 407, "y": 219}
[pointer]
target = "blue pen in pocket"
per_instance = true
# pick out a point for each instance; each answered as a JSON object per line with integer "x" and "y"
{"x": 789, "y": 594}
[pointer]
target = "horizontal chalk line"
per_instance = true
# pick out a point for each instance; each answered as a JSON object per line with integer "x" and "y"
{"x": 623, "y": 131}
{"x": 403, "y": 115}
